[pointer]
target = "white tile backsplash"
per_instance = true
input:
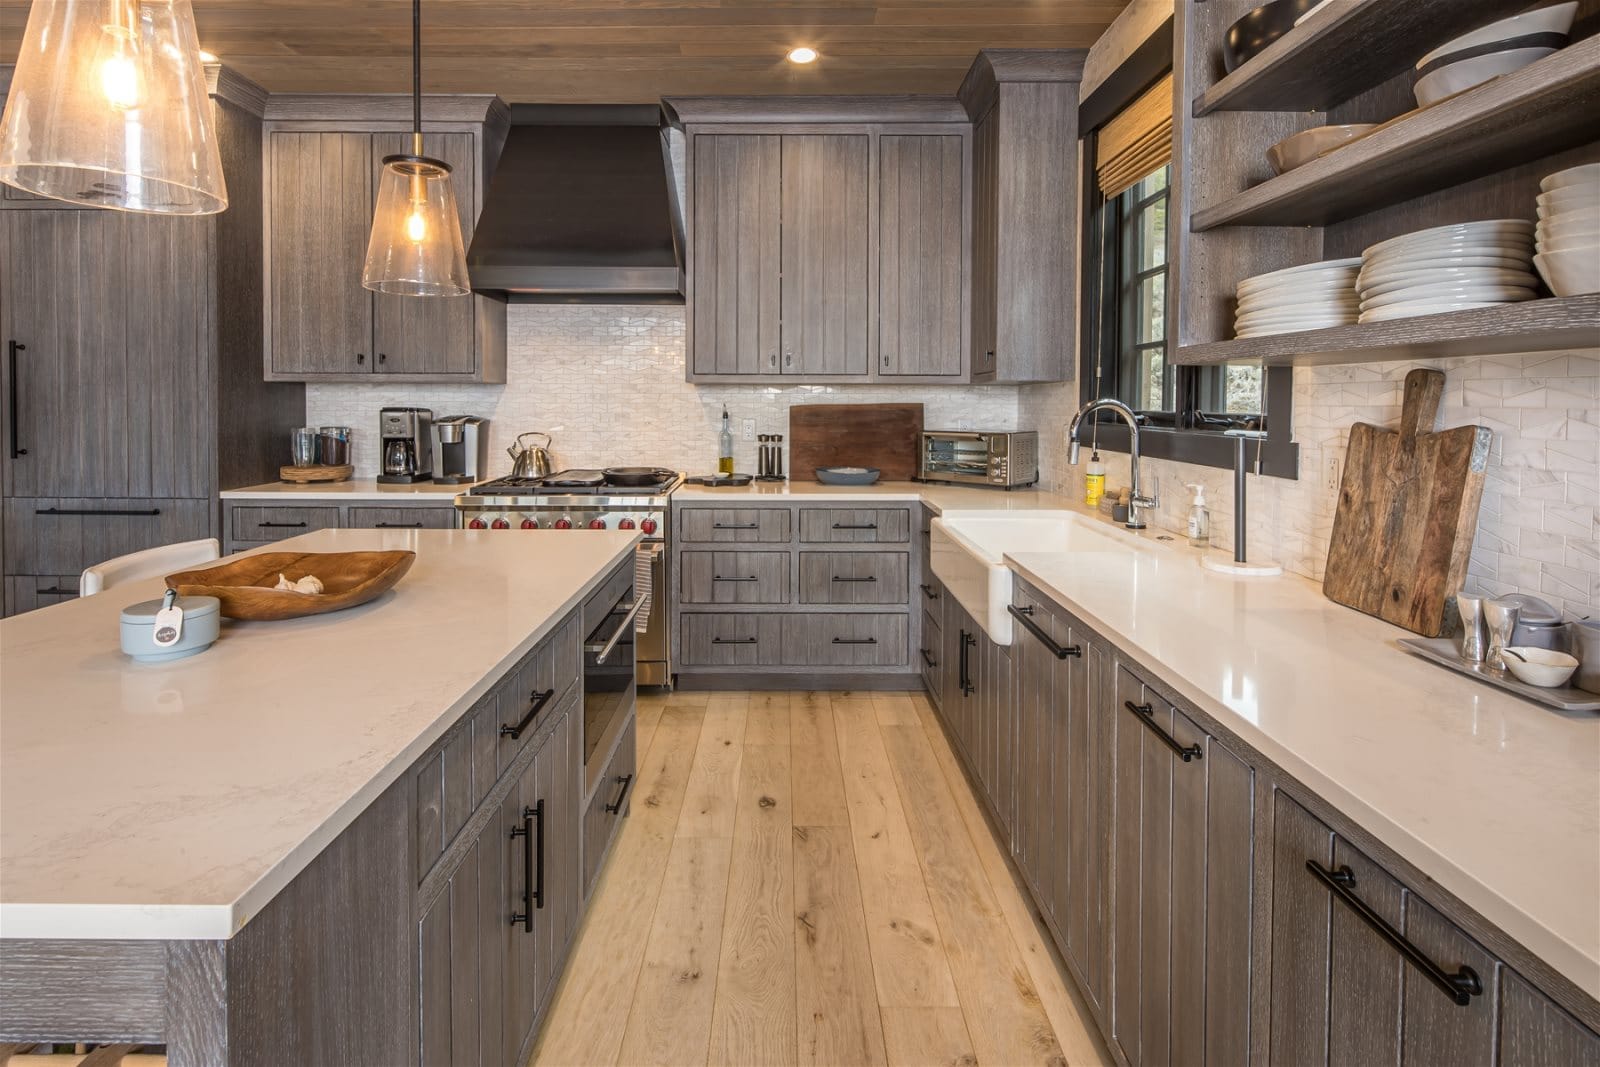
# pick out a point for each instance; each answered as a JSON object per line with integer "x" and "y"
{"x": 608, "y": 384}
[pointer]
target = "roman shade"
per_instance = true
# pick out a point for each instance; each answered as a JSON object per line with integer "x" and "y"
{"x": 1136, "y": 141}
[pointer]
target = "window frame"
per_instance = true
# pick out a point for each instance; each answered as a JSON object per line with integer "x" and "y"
{"x": 1183, "y": 440}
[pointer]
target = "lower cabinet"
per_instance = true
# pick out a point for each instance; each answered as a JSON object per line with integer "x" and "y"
{"x": 610, "y": 804}
{"x": 250, "y": 522}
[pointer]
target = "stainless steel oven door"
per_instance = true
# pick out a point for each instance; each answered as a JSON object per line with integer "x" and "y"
{"x": 608, "y": 683}
{"x": 655, "y": 643}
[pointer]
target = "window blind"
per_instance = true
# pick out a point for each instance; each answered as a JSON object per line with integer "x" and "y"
{"x": 1136, "y": 141}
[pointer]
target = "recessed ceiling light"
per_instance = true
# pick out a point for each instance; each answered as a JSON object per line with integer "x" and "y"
{"x": 802, "y": 55}
{"x": 207, "y": 57}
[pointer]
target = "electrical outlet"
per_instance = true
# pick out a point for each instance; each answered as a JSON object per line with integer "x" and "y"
{"x": 749, "y": 429}
{"x": 1332, "y": 477}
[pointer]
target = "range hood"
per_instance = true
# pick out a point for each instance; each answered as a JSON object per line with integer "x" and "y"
{"x": 582, "y": 208}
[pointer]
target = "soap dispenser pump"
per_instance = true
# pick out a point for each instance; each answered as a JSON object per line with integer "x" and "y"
{"x": 1199, "y": 518}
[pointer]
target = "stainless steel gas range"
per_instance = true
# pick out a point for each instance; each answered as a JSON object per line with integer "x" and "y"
{"x": 618, "y": 498}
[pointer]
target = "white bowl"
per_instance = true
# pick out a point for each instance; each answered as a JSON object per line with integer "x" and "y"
{"x": 1543, "y": 667}
{"x": 1570, "y": 272}
{"x": 1570, "y": 243}
{"x": 1303, "y": 147}
{"x": 1557, "y": 18}
{"x": 1456, "y": 78}
{"x": 1583, "y": 216}
{"x": 1449, "y": 293}
{"x": 1410, "y": 279}
{"x": 1569, "y": 198}
{"x": 1412, "y": 311}
{"x": 1570, "y": 223}
{"x": 1583, "y": 174}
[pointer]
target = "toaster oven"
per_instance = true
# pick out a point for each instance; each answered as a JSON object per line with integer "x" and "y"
{"x": 1006, "y": 460}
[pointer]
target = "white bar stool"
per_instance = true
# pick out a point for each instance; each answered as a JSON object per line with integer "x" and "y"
{"x": 151, "y": 563}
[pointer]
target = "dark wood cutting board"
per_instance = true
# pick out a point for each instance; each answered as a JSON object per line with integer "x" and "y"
{"x": 1408, "y": 507}
{"x": 886, "y": 436}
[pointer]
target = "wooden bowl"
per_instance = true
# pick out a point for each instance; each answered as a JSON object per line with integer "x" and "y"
{"x": 245, "y": 585}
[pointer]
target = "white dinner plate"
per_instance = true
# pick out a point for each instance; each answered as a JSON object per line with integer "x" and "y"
{"x": 1272, "y": 277}
{"x": 1387, "y": 270}
{"x": 1450, "y": 294}
{"x": 1455, "y": 230}
{"x": 1412, "y": 279}
{"x": 1331, "y": 298}
{"x": 1502, "y": 246}
{"x": 1330, "y": 317}
{"x": 1411, "y": 311}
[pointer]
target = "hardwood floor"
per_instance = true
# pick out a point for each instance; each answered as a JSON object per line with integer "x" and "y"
{"x": 807, "y": 878}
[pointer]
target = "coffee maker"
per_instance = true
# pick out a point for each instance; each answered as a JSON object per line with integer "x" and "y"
{"x": 460, "y": 449}
{"x": 406, "y": 444}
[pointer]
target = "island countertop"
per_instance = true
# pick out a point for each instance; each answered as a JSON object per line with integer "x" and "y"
{"x": 174, "y": 800}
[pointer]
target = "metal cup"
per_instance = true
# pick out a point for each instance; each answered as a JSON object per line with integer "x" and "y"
{"x": 1474, "y": 634}
{"x": 1500, "y": 619}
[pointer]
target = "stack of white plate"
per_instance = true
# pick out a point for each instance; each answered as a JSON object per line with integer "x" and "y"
{"x": 1568, "y": 235}
{"x": 1447, "y": 268}
{"x": 1312, "y": 296}
{"x": 1496, "y": 49}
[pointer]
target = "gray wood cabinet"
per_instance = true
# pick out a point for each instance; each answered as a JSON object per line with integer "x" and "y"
{"x": 921, "y": 252}
{"x": 252, "y": 522}
{"x": 826, "y": 246}
{"x": 1024, "y": 106}
{"x": 323, "y": 157}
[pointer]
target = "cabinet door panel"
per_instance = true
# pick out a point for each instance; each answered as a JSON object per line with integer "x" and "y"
{"x": 1301, "y": 918}
{"x": 450, "y": 942}
{"x": 1128, "y": 777}
{"x": 1155, "y": 888}
{"x": 920, "y": 253}
{"x": 319, "y": 205}
{"x": 1533, "y": 1031}
{"x": 1436, "y": 1030}
{"x": 985, "y": 242}
{"x": 427, "y": 336}
{"x": 1090, "y": 748}
{"x": 1364, "y": 974}
{"x": 1230, "y": 898}
{"x": 734, "y": 256}
{"x": 825, "y": 249}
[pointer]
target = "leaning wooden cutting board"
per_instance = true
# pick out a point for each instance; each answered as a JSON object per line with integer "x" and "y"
{"x": 886, "y": 436}
{"x": 1408, "y": 507}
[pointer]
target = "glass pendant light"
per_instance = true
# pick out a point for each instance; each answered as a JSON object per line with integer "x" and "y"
{"x": 415, "y": 248}
{"x": 108, "y": 108}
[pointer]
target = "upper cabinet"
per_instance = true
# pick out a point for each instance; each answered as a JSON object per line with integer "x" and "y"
{"x": 922, "y": 244}
{"x": 322, "y": 160}
{"x": 1024, "y": 105}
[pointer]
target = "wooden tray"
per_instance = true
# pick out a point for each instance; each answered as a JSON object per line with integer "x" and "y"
{"x": 245, "y": 585}
{"x": 1442, "y": 650}
{"x": 316, "y": 473}
{"x": 886, "y": 436}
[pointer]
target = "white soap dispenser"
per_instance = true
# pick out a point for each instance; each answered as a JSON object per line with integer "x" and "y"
{"x": 1199, "y": 518}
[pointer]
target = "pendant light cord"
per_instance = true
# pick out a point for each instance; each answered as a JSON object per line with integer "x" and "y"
{"x": 416, "y": 77}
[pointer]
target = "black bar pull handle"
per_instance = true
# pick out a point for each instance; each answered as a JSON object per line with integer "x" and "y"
{"x": 539, "y": 700}
{"x": 964, "y": 672}
{"x": 855, "y": 640}
{"x": 1460, "y": 987}
{"x": 538, "y": 868}
{"x": 394, "y": 525}
{"x": 139, "y": 512}
{"x": 282, "y": 525}
{"x": 1146, "y": 715}
{"x": 868, "y": 578}
{"x": 927, "y": 657}
{"x": 55, "y": 590}
{"x": 735, "y": 640}
{"x": 17, "y": 451}
{"x": 1025, "y": 617}
{"x": 626, "y": 781}
{"x": 930, "y": 592}
{"x": 855, "y": 526}
{"x": 736, "y": 526}
{"x": 531, "y": 831}
{"x": 720, "y": 578}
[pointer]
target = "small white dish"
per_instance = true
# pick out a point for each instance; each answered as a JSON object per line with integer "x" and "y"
{"x": 1557, "y": 18}
{"x": 1571, "y": 272}
{"x": 1544, "y": 667}
{"x": 1301, "y": 148}
{"x": 1273, "y": 277}
{"x": 1455, "y": 78}
{"x": 1583, "y": 174}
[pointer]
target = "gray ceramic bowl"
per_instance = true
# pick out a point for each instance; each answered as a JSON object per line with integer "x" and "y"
{"x": 847, "y": 475}
{"x": 1251, "y": 34}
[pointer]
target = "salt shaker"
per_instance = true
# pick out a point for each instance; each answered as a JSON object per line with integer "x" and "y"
{"x": 1500, "y": 620}
{"x": 1473, "y": 633}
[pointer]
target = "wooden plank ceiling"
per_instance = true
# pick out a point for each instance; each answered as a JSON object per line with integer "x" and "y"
{"x": 622, "y": 51}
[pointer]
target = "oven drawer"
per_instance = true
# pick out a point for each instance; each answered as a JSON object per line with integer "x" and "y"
{"x": 613, "y": 797}
{"x": 533, "y": 690}
{"x": 716, "y": 525}
{"x": 731, "y": 640}
{"x": 853, "y": 577}
{"x": 251, "y": 524}
{"x": 734, "y": 578}
{"x": 855, "y": 525}
{"x": 837, "y": 640}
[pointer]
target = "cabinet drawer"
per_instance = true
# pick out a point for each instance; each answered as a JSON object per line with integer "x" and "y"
{"x": 715, "y": 525}
{"x": 275, "y": 524}
{"x": 63, "y": 536}
{"x": 855, "y": 525}
{"x": 25, "y": 592}
{"x": 853, "y": 577}
{"x": 613, "y": 798}
{"x": 443, "y": 789}
{"x": 734, "y": 578}
{"x": 731, "y": 640}
{"x": 534, "y": 690}
{"x": 845, "y": 640}
{"x": 403, "y": 518}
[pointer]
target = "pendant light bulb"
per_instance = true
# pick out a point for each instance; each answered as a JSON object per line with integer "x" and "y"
{"x": 108, "y": 108}
{"x": 416, "y": 226}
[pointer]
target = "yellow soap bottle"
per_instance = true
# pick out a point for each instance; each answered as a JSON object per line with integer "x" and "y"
{"x": 1094, "y": 481}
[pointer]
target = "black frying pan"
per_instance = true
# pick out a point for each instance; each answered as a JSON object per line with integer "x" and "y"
{"x": 635, "y": 477}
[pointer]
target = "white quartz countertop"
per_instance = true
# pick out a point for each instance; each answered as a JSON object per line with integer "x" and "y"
{"x": 940, "y": 498}
{"x": 1495, "y": 798}
{"x": 363, "y": 489}
{"x": 175, "y": 800}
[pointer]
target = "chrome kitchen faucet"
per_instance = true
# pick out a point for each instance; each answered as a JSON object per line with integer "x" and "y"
{"x": 1137, "y": 503}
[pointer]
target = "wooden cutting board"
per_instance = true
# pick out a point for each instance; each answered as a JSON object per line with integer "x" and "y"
{"x": 886, "y": 436}
{"x": 1408, "y": 507}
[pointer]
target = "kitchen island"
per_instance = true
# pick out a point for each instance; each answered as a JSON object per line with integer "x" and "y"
{"x": 240, "y": 854}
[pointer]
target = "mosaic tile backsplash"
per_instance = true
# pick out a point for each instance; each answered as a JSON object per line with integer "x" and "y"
{"x": 608, "y": 384}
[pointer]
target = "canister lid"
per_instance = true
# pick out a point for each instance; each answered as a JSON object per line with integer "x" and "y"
{"x": 1534, "y": 612}
{"x": 194, "y": 607}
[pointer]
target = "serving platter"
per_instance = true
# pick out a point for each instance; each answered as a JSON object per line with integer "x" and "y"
{"x": 245, "y": 585}
{"x": 1442, "y": 650}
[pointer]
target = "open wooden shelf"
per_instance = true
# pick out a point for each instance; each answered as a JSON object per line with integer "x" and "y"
{"x": 1545, "y": 107}
{"x": 1532, "y": 326}
{"x": 1346, "y": 49}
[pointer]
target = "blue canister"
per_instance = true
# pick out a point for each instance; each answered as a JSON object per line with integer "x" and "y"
{"x": 202, "y": 620}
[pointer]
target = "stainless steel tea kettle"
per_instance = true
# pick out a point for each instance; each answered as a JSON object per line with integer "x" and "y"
{"x": 530, "y": 461}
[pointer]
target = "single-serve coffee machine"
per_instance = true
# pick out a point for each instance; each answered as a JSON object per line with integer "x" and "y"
{"x": 460, "y": 449}
{"x": 406, "y": 444}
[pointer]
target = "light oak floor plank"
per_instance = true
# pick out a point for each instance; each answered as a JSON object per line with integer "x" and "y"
{"x": 708, "y": 806}
{"x": 894, "y": 709}
{"x": 836, "y": 1004}
{"x": 927, "y": 1037}
{"x": 814, "y": 762}
{"x": 768, "y": 719}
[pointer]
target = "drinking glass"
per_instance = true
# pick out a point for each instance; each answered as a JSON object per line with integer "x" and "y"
{"x": 303, "y": 446}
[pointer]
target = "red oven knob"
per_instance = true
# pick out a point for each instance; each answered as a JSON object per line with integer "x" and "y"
{"x": 597, "y": 524}
{"x": 499, "y": 524}
{"x": 530, "y": 524}
{"x": 625, "y": 524}
{"x": 563, "y": 524}
{"x": 477, "y": 524}
{"x": 648, "y": 526}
